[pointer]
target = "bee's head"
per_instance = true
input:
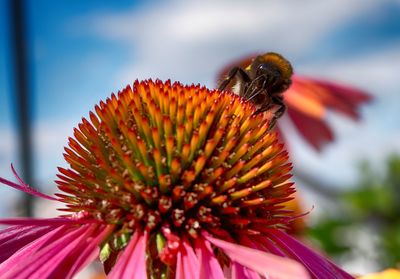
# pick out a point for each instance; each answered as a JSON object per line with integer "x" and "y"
{"x": 273, "y": 65}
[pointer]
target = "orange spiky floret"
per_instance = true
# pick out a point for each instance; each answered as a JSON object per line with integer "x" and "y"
{"x": 160, "y": 154}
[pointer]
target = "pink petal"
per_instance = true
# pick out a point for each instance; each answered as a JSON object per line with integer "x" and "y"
{"x": 316, "y": 264}
{"x": 58, "y": 254}
{"x": 179, "y": 267}
{"x": 246, "y": 241}
{"x": 187, "y": 262}
{"x": 53, "y": 255}
{"x": 23, "y": 187}
{"x": 14, "y": 238}
{"x": 123, "y": 258}
{"x": 90, "y": 253}
{"x": 237, "y": 271}
{"x": 136, "y": 266}
{"x": 29, "y": 250}
{"x": 269, "y": 245}
{"x": 240, "y": 272}
{"x": 261, "y": 262}
{"x": 46, "y": 222}
{"x": 210, "y": 267}
{"x": 132, "y": 262}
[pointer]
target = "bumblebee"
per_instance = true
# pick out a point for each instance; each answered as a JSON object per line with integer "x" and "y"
{"x": 262, "y": 82}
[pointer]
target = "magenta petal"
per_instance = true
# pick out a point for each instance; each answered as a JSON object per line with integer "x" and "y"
{"x": 265, "y": 264}
{"x": 14, "y": 238}
{"x": 245, "y": 241}
{"x": 179, "y": 267}
{"x": 124, "y": 257}
{"x": 269, "y": 245}
{"x": 27, "y": 252}
{"x": 316, "y": 264}
{"x": 59, "y": 254}
{"x": 187, "y": 262}
{"x": 51, "y": 256}
{"x": 89, "y": 253}
{"x": 23, "y": 187}
{"x": 210, "y": 267}
{"x": 132, "y": 262}
{"x": 46, "y": 222}
{"x": 190, "y": 260}
{"x": 240, "y": 272}
{"x": 237, "y": 271}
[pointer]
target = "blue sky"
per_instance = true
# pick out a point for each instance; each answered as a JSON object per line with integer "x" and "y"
{"x": 81, "y": 51}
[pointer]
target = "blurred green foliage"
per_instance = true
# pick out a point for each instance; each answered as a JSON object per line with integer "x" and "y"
{"x": 373, "y": 206}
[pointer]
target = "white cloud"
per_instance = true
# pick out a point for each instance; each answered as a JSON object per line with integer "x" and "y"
{"x": 190, "y": 40}
{"x": 8, "y": 149}
{"x": 376, "y": 71}
{"x": 50, "y": 137}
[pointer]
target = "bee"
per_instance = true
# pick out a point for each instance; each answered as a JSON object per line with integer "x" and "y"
{"x": 262, "y": 82}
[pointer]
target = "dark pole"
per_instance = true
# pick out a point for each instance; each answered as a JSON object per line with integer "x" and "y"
{"x": 22, "y": 103}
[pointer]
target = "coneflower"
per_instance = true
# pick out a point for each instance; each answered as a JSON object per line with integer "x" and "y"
{"x": 167, "y": 181}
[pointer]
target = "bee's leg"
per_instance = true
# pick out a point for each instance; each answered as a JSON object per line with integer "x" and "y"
{"x": 252, "y": 90}
{"x": 283, "y": 86}
{"x": 236, "y": 72}
{"x": 281, "y": 110}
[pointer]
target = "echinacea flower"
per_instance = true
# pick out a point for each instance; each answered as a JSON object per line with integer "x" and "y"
{"x": 167, "y": 181}
{"x": 308, "y": 100}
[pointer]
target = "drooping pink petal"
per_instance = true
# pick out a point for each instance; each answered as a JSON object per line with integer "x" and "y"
{"x": 261, "y": 262}
{"x": 210, "y": 268}
{"x": 14, "y": 238}
{"x": 46, "y": 222}
{"x": 29, "y": 250}
{"x": 50, "y": 258}
{"x": 54, "y": 254}
{"x": 316, "y": 264}
{"x": 23, "y": 187}
{"x": 132, "y": 262}
{"x": 248, "y": 242}
{"x": 237, "y": 271}
{"x": 89, "y": 253}
{"x": 179, "y": 266}
{"x": 261, "y": 243}
{"x": 240, "y": 272}
{"x": 268, "y": 245}
{"x": 187, "y": 262}
{"x": 124, "y": 257}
